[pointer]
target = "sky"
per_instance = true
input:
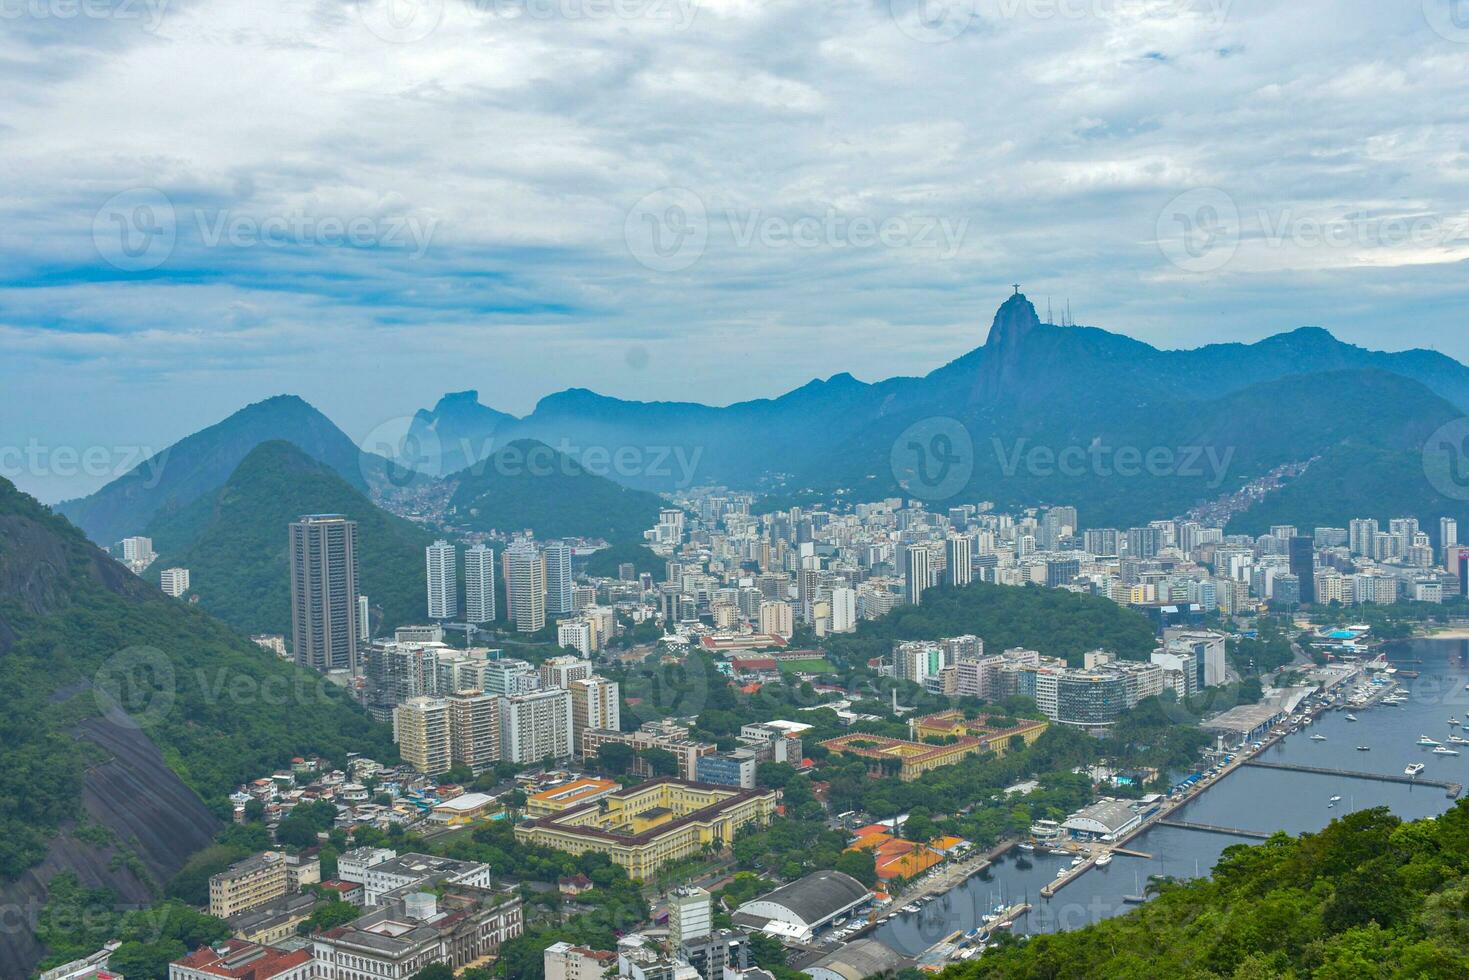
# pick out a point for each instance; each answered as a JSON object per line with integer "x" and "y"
{"x": 208, "y": 202}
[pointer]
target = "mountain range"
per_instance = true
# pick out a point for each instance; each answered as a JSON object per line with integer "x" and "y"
{"x": 1038, "y": 414}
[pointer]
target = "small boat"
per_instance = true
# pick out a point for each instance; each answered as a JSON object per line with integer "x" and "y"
{"x": 1318, "y": 737}
{"x": 1134, "y": 899}
{"x": 1444, "y": 750}
{"x": 1336, "y": 799}
{"x": 1458, "y": 740}
{"x": 1364, "y": 748}
{"x": 1425, "y": 740}
{"x": 1104, "y": 859}
{"x": 1351, "y": 717}
{"x": 1414, "y": 769}
{"x": 1026, "y": 846}
{"x": 1453, "y": 721}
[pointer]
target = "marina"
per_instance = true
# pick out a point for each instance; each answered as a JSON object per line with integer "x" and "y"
{"x": 1310, "y": 782}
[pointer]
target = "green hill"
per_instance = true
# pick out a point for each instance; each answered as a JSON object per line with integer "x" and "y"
{"x": 1056, "y": 622}
{"x": 529, "y": 485}
{"x": 93, "y": 658}
{"x": 196, "y": 465}
{"x": 234, "y": 542}
{"x": 1369, "y": 896}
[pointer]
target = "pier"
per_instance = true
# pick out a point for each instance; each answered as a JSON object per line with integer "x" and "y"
{"x": 1452, "y": 789}
{"x": 1210, "y": 828}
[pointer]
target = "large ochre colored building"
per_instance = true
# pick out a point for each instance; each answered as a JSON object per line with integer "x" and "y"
{"x": 895, "y": 756}
{"x": 647, "y": 826}
{"x": 993, "y": 738}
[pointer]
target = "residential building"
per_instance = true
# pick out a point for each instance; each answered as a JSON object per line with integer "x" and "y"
{"x": 421, "y": 727}
{"x": 536, "y": 726}
{"x": 474, "y": 730}
{"x": 324, "y": 616}
{"x": 559, "y": 600}
{"x": 443, "y": 581}
{"x": 525, "y": 585}
{"x": 248, "y": 884}
{"x": 596, "y": 702}
{"x": 563, "y": 961}
{"x": 461, "y": 926}
{"x": 479, "y": 585}
{"x": 174, "y": 581}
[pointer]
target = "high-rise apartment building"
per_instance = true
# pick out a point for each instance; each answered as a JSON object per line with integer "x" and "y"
{"x": 525, "y": 586}
{"x": 559, "y": 598}
{"x": 595, "y": 703}
{"x": 777, "y": 618}
{"x": 479, "y": 585}
{"x": 536, "y": 726}
{"x": 422, "y": 727}
{"x": 474, "y": 730}
{"x": 324, "y": 626}
{"x": 916, "y": 574}
{"x": 958, "y": 560}
{"x": 843, "y": 609}
{"x": 443, "y": 581}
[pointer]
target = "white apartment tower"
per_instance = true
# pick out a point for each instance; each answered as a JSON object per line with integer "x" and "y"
{"x": 536, "y": 726}
{"x": 559, "y": 599}
{"x": 479, "y": 585}
{"x": 443, "y": 583}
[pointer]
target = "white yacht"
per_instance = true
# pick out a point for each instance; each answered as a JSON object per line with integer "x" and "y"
{"x": 1425, "y": 740}
{"x": 1104, "y": 859}
{"x": 1318, "y": 737}
{"x": 1444, "y": 750}
{"x": 1414, "y": 768}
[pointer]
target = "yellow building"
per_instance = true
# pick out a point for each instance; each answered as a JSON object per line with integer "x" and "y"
{"x": 648, "y": 826}
{"x": 953, "y": 724}
{"x": 249, "y": 884}
{"x": 906, "y": 760}
{"x": 567, "y": 796}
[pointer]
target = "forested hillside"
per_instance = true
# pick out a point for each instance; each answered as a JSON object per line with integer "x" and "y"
{"x": 1369, "y": 896}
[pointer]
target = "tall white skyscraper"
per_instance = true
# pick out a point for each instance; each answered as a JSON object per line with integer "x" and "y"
{"x": 525, "y": 586}
{"x": 324, "y": 626}
{"x": 916, "y": 573}
{"x": 559, "y": 600}
{"x": 960, "y": 568}
{"x": 443, "y": 582}
{"x": 479, "y": 585}
{"x": 1448, "y": 532}
{"x": 843, "y": 610}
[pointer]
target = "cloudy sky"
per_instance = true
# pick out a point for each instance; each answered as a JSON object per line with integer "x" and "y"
{"x": 207, "y": 202}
